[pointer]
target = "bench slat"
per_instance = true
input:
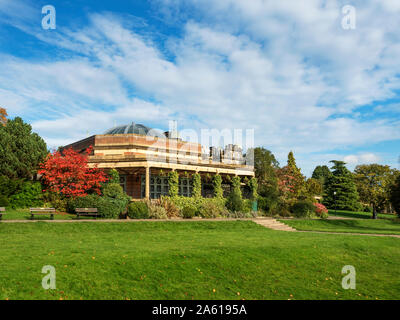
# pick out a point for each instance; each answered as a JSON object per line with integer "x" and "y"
{"x": 85, "y": 210}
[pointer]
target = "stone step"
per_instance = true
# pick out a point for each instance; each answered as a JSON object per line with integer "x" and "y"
{"x": 274, "y": 224}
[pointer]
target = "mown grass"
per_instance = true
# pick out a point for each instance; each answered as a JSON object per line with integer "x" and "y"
{"x": 191, "y": 260}
{"x": 382, "y": 226}
{"x": 359, "y": 215}
{"x": 23, "y": 214}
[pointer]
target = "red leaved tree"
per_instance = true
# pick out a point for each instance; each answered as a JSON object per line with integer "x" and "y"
{"x": 69, "y": 174}
{"x": 286, "y": 183}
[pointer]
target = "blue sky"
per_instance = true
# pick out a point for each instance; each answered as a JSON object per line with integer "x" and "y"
{"x": 286, "y": 69}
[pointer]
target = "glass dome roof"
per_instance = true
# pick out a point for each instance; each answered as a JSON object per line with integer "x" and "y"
{"x": 130, "y": 128}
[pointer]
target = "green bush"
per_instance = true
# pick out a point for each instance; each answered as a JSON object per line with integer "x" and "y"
{"x": 173, "y": 182}
{"x": 303, "y": 209}
{"x": 138, "y": 210}
{"x": 113, "y": 190}
{"x": 107, "y": 207}
{"x": 4, "y": 201}
{"x": 157, "y": 212}
{"x": 213, "y": 208}
{"x": 235, "y": 201}
{"x": 29, "y": 196}
{"x": 217, "y": 184}
{"x": 181, "y": 202}
{"x": 188, "y": 212}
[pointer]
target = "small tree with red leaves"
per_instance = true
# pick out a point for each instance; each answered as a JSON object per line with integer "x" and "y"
{"x": 68, "y": 174}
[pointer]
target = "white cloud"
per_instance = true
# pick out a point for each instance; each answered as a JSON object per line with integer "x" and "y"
{"x": 284, "y": 68}
{"x": 365, "y": 158}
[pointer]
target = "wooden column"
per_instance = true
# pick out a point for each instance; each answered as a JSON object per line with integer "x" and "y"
{"x": 147, "y": 186}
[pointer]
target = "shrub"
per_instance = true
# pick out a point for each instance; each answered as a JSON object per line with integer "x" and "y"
{"x": 171, "y": 209}
{"x": 138, "y": 210}
{"x": 253, "y": 185}
{"x": 173, "y": 181}
{"x": 367, "y": 208}
{"x": 321, "y": 211}
{"x": 235, "y": 201}
{"x": 113, "y": 190}
{"x": 4, "y": 201}
{"x": 157, "y": 212}
{"x": 303, "y": 209}
{"x": 181, "y": 202}
{"x": 213, "y": 208}
{"x": 113, "y": 176}
{"x": 107, "y": 207}
{"x": 29, "y": 196}
{"x": 188, "y": 212}
{"x": 196, "y": 185}
{"x": 217, "y": 184}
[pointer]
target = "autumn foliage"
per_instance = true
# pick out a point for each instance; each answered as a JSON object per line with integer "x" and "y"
{"x": 68, "y": 173}
{"x": 3, "y": 116}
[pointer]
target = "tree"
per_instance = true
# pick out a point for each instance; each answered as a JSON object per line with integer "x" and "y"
{"x": 292, "y": 177}
{"x": 3, "y": 116}
{"x": 314, "y": 187}
{"x": 265, "y": 168}
{"x": 321, "y": 173}
{"x": 68, "y": 174}
{"x": 373, "y": 183}
{"x": 341, "y": 182}
{"x": 217, "y": 184}
{"x": 21, "y": 150}
{"x": 395, "y": 195}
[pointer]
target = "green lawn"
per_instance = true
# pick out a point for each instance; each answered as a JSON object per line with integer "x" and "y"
{"x": 381, "y": 226}
{"x": 191, "y": 260}
{"x": 23, "y": 214}
{"x": 359, "y": 215}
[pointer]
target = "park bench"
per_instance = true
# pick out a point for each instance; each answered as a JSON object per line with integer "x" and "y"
{"x": 2, "y": 211}
{"x": 87, "y": 212}
{"x": 42, "y": 211}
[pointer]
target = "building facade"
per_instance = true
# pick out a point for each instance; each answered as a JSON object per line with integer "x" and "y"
{"x": 143, "y": 157}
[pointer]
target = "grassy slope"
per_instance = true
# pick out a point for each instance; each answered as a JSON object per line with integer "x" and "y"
{"x": 178, "y": 260}
{"x": 382, "y": 226}
{"x": 359, "y": 215}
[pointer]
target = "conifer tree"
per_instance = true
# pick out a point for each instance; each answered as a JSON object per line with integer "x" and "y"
{"x": 341, "y": 182}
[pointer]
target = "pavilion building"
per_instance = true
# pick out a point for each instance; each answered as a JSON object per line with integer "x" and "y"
{"x": 143, "y": 157}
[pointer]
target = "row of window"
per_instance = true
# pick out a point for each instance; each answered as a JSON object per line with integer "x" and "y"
{"x": 159, "y": 186}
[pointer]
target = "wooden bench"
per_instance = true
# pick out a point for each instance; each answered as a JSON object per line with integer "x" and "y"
{"x": 88, "y": 212}
{"x": 42, "y": 211}
{"x": 2, "y": 211}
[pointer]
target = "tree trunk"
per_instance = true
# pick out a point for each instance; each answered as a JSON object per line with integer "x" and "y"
{"x": 374, "y": 214}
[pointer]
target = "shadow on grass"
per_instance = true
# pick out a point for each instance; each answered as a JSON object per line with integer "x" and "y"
{"x": 390, "y": 225}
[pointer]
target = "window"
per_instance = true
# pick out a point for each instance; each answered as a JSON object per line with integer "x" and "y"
{"x": 158, "y": 186}
{"x": 122, "y": 182}
{"x": 185, "y": 187}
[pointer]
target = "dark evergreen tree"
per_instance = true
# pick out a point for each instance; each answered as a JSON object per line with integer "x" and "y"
{"x": 321, "y": 173}
{"x": 342, "y": 182}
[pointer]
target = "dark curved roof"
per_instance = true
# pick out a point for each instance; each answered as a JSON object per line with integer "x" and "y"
{"x": 130, "y": 128}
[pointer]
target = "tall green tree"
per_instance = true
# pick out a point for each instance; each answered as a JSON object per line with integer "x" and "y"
{"x": 373, "y": 185}
{"x": 21, "y": 150}
{"x": 298, "y": 180}
{"x": 321, "y": 173}
{"x": 395, "y": 195}
{"x": 342, "y": 183}
{"x": 265, "y": 169}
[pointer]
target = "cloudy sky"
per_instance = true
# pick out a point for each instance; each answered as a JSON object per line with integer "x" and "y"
{"x": 287, "y": 69}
